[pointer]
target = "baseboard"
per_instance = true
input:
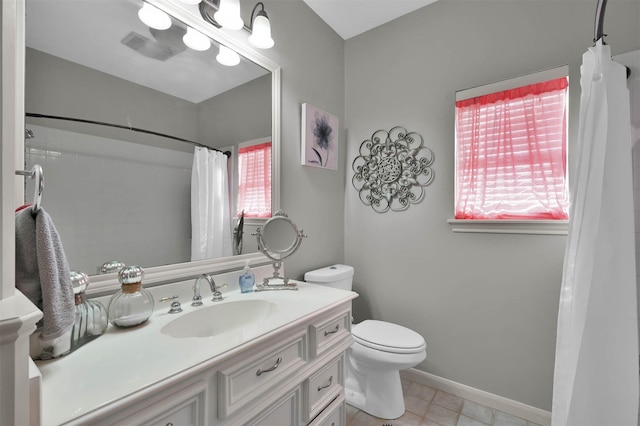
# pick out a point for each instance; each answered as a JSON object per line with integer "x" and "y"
{"x": 518, "y": 409}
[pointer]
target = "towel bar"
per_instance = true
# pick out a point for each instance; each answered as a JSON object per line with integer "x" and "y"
{"x": 35, "y": 173}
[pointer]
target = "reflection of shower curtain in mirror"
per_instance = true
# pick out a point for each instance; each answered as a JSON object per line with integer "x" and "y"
{"x": 210, "y": 218}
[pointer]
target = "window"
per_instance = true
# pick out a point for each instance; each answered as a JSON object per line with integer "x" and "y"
{"x": 254, "y": 180}
{"x": 511, "y": 150}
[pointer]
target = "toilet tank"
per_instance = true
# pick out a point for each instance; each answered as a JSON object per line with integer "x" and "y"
{"x": 335, "y": 276}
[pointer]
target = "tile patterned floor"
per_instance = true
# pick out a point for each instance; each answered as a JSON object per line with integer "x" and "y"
{"x": 427, "y": 406}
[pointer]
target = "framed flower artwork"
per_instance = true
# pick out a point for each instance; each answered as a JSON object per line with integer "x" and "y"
{"x": 319, "y": 138}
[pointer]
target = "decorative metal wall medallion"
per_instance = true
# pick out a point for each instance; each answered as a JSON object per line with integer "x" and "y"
{"x": 392, "y": 169}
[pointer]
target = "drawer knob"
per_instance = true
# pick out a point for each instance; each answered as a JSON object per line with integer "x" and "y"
{"x": 335, "y": 330}
{"x": 276, "y": 365}
{"x": 327, "y": 385}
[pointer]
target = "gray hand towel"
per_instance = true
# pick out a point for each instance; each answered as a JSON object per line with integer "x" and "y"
{"x": 42, "y": 272}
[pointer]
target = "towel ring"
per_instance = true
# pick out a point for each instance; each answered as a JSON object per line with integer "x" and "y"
{"x": 35, "y": 173}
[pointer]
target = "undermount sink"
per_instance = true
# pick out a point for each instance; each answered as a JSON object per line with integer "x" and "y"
{"x": 220, "y": 318}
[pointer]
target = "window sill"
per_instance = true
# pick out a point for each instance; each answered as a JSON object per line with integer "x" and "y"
{"x": 539, "y": 227}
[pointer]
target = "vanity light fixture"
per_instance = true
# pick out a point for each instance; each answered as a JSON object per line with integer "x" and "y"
{"x": 260, "y": 28}
{"x": 227, "y": 15}
{"x": 196, "y": 40}
{"x": 154, "y": 17}
{"x": 227, "y": 57}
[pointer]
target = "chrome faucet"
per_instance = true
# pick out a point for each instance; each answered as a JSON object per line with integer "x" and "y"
{"x": 197, "y": 299}
{"x": 215, "y": 289}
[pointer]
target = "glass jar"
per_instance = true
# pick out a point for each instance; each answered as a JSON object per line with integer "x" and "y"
{"x": 132, "y": 305}
{"x": 91, "y": 316}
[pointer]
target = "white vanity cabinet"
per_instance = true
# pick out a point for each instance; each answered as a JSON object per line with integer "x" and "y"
{"x": 292, "y": 375}
{"x": 282, "y": 382}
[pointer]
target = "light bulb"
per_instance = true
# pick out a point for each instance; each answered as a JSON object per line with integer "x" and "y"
{"x": 261, "y": 32}
{"x": 228, "y": 15}
{"x": 227, "y": 57}
{"x": 191, "y": 1}
{"x": 154, "y": 17}
{"x": 196, "y": 40}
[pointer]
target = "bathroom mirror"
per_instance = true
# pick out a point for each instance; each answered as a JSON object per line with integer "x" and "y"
{"x": 96, "y": 61}
{"x": 278, "y": 239}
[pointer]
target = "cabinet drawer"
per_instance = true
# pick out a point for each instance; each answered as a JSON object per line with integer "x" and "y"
{"x": 250, "y": 378}
{"x": 334, "y": 415}
{"x": 327, "y": 331}
{"x": 323, "y": 387}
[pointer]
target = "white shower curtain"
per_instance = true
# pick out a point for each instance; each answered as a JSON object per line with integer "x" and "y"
{"x": 210, "y": 217}
{"x": 596, "y": 367}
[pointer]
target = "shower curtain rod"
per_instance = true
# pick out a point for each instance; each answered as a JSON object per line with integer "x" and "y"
{"x": 599, "y": 22}
{"x": 119, "y": 126}
{"x": 598, "y": 31}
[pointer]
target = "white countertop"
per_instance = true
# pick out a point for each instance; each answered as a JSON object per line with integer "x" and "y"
{"x": 124, "y": 361}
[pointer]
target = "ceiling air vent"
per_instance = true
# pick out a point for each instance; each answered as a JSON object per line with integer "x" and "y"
{"x": 150, "y": 48}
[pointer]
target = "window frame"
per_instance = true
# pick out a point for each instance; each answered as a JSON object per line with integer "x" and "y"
{"x": 509, "y": 226}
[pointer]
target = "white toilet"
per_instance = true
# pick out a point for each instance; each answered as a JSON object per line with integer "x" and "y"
{"x": 381, "y": 349}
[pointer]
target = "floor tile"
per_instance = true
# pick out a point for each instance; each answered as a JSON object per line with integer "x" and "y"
{"x": 416, "y": 405}
{"x": 408, "y": 419}
{"x": 420, "y": 391}
{"x": 477, "y": 412}
{"x": 468, "y": 421}
{"x": 351, "y": 413}
{"x": 428, "y": 422}
{"x": 426, "y": 406}
{"x": 446, "y": 400}
{"x": 442, "y": 416}
{"x": 505, "y": 419}
{"x": 364, "y": 419}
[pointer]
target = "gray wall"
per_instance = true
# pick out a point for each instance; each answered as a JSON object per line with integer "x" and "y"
{"x": 485, "y": 303}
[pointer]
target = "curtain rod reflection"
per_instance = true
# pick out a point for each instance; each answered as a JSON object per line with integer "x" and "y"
{"x": 119, "y": 126}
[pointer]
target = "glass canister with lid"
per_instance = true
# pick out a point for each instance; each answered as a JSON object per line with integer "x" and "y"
{"x": 91, "y": 316}
{"x": 132, "y": 305}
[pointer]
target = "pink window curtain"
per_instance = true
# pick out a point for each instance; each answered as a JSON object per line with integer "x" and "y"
{"x": 511, "y": 154}
{"x": 254, "y": 186}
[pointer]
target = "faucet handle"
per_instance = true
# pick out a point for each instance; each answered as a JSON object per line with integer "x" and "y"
{"x": 217, "y": 294}
{"x": 175, "y": 304}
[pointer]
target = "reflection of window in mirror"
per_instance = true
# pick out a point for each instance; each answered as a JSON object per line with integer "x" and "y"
{"x": 254, "y": 178}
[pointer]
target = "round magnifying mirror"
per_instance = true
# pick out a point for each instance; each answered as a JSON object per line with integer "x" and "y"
{"x": 279, "y": 235}
{"x": 278, "y": 239}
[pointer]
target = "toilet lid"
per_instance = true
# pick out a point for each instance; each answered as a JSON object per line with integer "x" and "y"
{"x": 387, "y": 337}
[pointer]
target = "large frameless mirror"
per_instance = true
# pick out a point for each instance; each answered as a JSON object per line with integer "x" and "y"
{"x": 115, "y": 110}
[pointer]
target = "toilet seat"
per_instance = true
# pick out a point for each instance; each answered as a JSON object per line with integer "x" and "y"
{"x": 388, "y": 337}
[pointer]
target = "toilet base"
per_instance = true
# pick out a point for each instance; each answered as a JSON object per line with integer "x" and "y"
{"x": 382, "y": 396}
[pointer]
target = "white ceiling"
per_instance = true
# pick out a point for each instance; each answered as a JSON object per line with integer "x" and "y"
{"x": 349, "y": 18}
